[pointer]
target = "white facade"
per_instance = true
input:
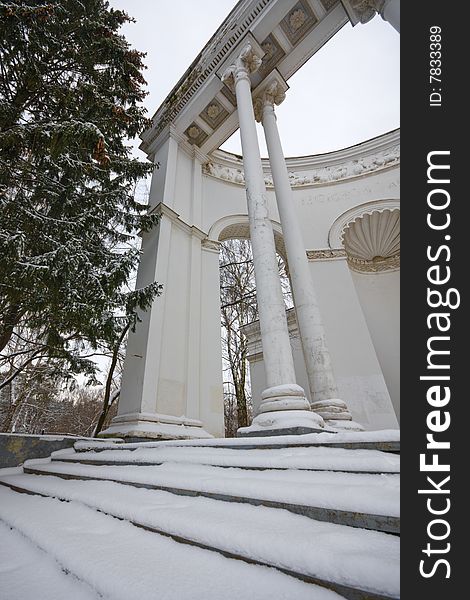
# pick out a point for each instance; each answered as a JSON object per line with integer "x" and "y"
{"x": 360, "y": 308}
{"x": 172, "y": 379}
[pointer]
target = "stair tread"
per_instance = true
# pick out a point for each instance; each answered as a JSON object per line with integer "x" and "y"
{"x": 18, "y": 554}
{"x": 386, "y": 440}
{"x": 308, "y": 458}
{"x": 358, "y": 558}
{"x": 361, "y": 493}
{"x": 124, "y": 562}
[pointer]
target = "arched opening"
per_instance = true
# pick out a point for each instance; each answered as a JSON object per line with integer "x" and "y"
{"x": 239, "y": 309}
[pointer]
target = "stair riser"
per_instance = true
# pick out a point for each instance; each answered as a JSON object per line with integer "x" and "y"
{"x": 125, "y": 463}
{"x": 391, "y": 447}
{"x": 352, "y": 519}
{"x": 345, "y": 591}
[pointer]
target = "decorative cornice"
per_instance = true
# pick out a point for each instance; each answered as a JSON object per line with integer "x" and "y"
{"x": 326, "y": 254}
{"x": 363, "y": 162}
{"x": 212, "y": 245}
{"x": 174, "y": 217}
{"x": 212, "y": 57}
{"x": 391, "y": 263}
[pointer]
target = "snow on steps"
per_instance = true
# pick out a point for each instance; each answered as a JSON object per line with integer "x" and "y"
{"x": 314, "y": 458}
{"x": 353, "y": 562}
{"x": 118, "y": 561}
{"x": 386, "y": 440}
{"x": 369, "y": 501}
{"x": 39, "y": 571}
{"x": 188, "y": 490}
{"x": 325, "y": 490}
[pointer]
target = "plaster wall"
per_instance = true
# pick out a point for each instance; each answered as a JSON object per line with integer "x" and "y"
{"x": 379, "y": 295}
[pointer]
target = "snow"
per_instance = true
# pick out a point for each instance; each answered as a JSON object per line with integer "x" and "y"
{"x": 123, "y": 562}
{"x": 284, "y": 419}
{"x": 10, "y": 471}
{"x": 337, "y": 459}
{"x": 365, "y": 493}
{"x": 31, "y": 462}
{"x": 384, "y": 435}
{"x": 368, "y": 559}
{"x": 147, "y": 429}
{"x": 24, "y": 569}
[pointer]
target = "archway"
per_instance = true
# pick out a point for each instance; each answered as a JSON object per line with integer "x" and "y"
{"x": 238, "y": 310}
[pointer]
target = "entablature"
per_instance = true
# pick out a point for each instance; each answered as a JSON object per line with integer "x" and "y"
{"x": 373, "y": 155}
{"x": 286, "y": 32}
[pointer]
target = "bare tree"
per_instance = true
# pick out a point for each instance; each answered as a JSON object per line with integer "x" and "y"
{"x": 238, "y": 308}
{"x": 113, "y": 379}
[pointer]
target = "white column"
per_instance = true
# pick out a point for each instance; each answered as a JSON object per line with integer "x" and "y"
{"x": 362, "y": 11}
{"x": 284, "y": 404}
{"x": 317, "y": 358}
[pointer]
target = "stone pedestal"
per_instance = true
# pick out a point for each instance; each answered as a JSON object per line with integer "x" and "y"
{"x": 155, "y": 426}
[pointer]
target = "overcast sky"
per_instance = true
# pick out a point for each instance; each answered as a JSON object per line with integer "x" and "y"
{"x": 346, "y": 93}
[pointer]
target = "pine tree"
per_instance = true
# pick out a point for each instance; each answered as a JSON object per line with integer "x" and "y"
{"x": 70, "y": 100}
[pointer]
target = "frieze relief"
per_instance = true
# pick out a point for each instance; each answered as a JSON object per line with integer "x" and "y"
{"x": 327, "y": 174}
{"x": 326, "y": 254}
{"x": 377, "y": 265}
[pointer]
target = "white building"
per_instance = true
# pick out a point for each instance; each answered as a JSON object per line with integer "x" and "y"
{"x": 335, "y": 217}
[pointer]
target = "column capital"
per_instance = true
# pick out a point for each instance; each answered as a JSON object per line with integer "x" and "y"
{"x": 248, "y": 61}
{"x": 362, "y": 11}
{"x": 272, "y": 91}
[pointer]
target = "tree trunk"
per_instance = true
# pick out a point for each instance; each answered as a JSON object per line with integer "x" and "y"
{"x": 109, "y": 381}
{"x": 10, "y": 319}
{"x": 20, "y": 369}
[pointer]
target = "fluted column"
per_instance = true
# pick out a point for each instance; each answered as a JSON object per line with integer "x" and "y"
{"x": 323, "y": 389}
{"x": 362, "y": 11}
{"x": 284, "y": 405}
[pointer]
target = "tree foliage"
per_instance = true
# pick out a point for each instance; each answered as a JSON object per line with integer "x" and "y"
{"x": 70, "y": 94}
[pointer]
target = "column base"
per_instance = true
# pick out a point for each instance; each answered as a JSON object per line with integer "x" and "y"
{"x": 336, "y": 415}
{"x": 273, "y": 432}
{"x": 340, "y": 425}
{"x": 287, "y": 397}
{"x": 155, "y": 426}
{"x": 285, "y": 422}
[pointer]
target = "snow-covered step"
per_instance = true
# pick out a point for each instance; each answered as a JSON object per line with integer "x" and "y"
{"x": 360, "y": 500}
{"x": 119, "y": 561}
{"x": 315, "y": 458}
{"x": 354, "y": 562}
{"x": 387, "y": 440}
{"x": 26, "y": 568}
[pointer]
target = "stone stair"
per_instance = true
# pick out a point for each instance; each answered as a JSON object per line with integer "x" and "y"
{"x": 321, "y": 508}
